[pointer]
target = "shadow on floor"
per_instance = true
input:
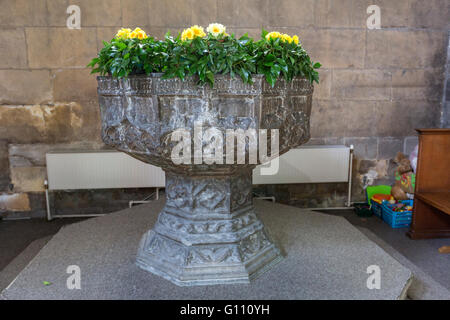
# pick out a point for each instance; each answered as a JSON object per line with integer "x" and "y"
{"x": 17, "y": 235}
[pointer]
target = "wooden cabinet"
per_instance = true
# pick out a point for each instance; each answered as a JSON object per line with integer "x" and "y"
{"x": 431, "y": 215}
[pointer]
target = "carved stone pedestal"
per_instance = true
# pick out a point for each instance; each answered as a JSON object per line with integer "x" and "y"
{"x": 208, "y": 233}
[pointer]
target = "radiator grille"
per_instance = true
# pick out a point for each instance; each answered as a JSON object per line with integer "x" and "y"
{"x": 100, "y": 170}
{"x": 309, "y": 164}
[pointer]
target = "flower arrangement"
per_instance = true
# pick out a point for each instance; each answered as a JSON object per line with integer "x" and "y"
{"x": 126, "y": 33}
{"x": 195, "y": 52}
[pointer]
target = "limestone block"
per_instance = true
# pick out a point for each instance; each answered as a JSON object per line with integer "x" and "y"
{"x": 403, "y": 117}
{"x": 291, "y": 13}
{"x": 389, "y": 146}
{"x": 56, "y": 12}
{"x": 249, "y": 14}
{"x": 86, "y": 122}
{"x": 25, "y": 87}
{"x": 326, "y": 119}
{"x": 23, "y": 13}
{"x": 447, "y": 88}
{"x": 372, "y": 172}
{"x": 26, "y": 179}
{"x": 364, "y": 147}
{"x": 4, "y": 165}
{"x": 12, "y": 40}
{"x": 106, "y": 34}
{"x": 338, "y": 118}
{"x": 50, "y": 123}
{"x": 23, "y": 124}
{"x": 93, "y": 13}
{"x": 431, "y": 14}
{"x": 446, "y": 115}
{"x": 61, "y": 121}
{"x": 135, "y": 14}
{"x": 175, "y": 13}
{"x": 393, "y": 14}
{"x": 337, "y": 14}
{"x": 323, "y": 89}
{"x": 33, "y": 155}
{"x": 14, "y": 202}
{"x": 206, "y": 13}
{"x": 60, "y": 47}
{"x": 417, "y": 84}
{"x": 405, "y": 49}
{"x": 334, "y": 48}
{"x": 74, "y": 85}
{"x": 362, "y": 84}
{"x": 100, "y": 12}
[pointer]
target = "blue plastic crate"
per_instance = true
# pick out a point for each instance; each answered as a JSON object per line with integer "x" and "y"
{"x": 374, "y": 206}
{"x": 397, "y": 219}
{"x": 376, "y": 209}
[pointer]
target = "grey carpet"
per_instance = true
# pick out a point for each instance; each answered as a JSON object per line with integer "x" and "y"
{"x": 423, "y": 253}
{"x": 327, "y": 258}
{"x": 423, "y": 287}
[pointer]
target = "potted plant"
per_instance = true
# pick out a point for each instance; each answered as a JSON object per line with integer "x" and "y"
{"x": 160, "y": 99}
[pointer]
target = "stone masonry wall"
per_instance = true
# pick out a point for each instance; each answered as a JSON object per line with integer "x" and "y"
{"x": 376, "y": 86}
{"x": 446, "y": 96}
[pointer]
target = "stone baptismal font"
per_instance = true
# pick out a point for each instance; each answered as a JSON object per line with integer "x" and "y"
{"x": 208, "y": 231}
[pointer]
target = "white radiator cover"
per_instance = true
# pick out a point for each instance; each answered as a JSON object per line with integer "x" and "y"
{"x": 106, "y": 169}
{"x": 100, "y": 170}
{"x": 309, "y": 164}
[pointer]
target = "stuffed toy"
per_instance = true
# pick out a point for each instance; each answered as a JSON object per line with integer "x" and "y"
{"x": 413, "y": 158}
{"x": 405, "y": 179}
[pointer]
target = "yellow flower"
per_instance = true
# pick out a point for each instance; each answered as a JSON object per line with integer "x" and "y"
{"x": 216, "y": 29}
{"x": 286, "y": 37}
{"x": 137, "y": 33}
{"x": 198, "y": 31}
{"x": 187, "y": 34}
{"x": 142, "y": 35}
{"x": 283, "y": 36}
{"x": 123, "y": 33}
{"x": 273, "y": 35}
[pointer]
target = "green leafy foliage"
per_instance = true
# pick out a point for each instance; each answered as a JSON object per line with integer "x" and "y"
{"x": 205, "y": 57}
